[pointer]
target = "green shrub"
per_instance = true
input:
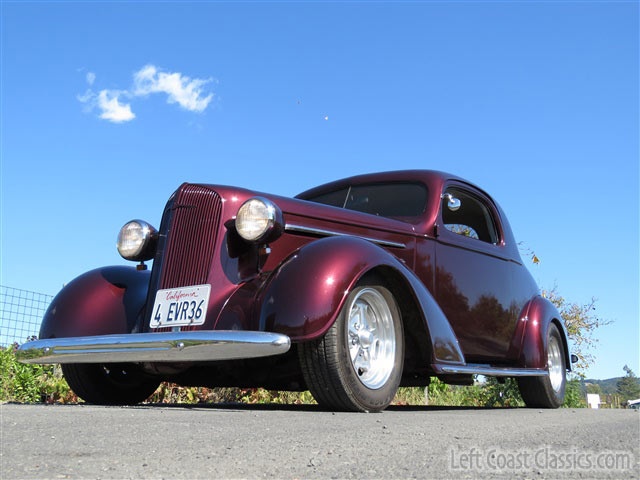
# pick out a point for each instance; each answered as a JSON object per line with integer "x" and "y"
{"x": 573, "y": 397}
{"x": 409, "y": 396}
{"x": 31, "y": 383}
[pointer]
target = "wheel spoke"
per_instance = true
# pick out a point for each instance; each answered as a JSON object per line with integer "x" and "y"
{"x": 364, "y": 322}
{"x": 366, "y": 356}
{"x": 354, "y": 316}
{"x": 354, "y": 351}
{"x": 352, "y": 330}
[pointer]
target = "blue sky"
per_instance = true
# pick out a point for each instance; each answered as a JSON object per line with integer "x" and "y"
{"x": 537, "y": 102}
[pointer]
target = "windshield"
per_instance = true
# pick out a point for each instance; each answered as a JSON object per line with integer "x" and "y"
{"x": 400, "y": 200}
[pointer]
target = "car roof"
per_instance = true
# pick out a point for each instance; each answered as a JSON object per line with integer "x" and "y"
{"x": 434, "y": 180}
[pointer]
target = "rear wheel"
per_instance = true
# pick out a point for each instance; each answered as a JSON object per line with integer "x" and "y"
{"x": 109, "y": 384}
{"x": 547, "y": 391}
{"x": 357, "y": 364}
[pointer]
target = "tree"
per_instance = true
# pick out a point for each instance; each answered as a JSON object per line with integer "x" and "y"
{"x": 629, "y": 386}
{"x": 581, "y": 322}
{"x": 593, "y": 388}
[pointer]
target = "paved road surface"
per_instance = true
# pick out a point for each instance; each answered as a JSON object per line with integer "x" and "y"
{"x": 76, "y": 441}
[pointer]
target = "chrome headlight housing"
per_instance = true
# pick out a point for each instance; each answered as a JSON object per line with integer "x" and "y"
{"x": 259, "y": 220}
{"x": 137, "y": 241}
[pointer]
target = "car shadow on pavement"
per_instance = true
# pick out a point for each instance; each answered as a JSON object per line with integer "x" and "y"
{"x": 262, "y": 407}
{"x": 305, "y": 407}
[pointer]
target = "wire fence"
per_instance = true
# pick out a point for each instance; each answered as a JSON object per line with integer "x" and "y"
{"x": 21, "y": 313}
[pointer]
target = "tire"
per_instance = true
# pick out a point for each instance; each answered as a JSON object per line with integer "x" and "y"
{"x": 369, "y": 382}
{"x": 109, "y": 384}
{"x": 547, "y": 391}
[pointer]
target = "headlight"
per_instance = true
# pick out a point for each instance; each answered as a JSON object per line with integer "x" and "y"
{"x": 259, "y": 219}
{"x": 137, "y": 241}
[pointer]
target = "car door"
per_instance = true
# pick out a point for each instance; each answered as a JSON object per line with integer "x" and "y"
{"x": 473, "y": 274}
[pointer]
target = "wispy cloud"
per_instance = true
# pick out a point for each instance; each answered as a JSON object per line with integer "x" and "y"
{"x": 187, "y": 92}
{"x": 179, "y": 88}
{"x": 88, "y": 98}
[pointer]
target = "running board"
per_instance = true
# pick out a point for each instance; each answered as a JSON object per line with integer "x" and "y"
{"x": 488, "y": 370}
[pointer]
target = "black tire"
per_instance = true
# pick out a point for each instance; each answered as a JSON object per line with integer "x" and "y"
{"x": 109, "y": 384}
{"x": 328, "y": 370}
{"x": 538, "y": 392}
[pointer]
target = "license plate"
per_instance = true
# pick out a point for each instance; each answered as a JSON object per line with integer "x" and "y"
{"x": 176, "y": 307}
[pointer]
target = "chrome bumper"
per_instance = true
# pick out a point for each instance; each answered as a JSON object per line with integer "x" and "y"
{"x": 198, "y": 346}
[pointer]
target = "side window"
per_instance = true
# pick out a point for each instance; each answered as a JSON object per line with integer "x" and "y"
{"x": 471, "y": 219}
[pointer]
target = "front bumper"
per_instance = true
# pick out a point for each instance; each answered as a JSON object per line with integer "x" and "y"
{"x": 198, "y": 346}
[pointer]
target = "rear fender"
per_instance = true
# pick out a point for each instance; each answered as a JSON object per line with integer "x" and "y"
{"x": 541, "y": 313}
{"x": 107, "y": 300}
{"x": 304, "y": 295}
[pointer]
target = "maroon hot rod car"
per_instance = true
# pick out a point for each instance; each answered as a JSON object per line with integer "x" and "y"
{"x": 349, "y": 290}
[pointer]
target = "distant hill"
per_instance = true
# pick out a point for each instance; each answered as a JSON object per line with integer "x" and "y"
{"x": 608, "y": 385}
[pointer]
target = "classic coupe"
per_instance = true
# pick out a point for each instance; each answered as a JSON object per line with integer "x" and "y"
{"x": 350, "y": 290}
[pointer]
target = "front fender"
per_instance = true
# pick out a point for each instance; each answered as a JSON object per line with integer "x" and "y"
{"x": 306, "y": 292}
{"x": 540, "y": 314}
{"x": 107, "y": 300}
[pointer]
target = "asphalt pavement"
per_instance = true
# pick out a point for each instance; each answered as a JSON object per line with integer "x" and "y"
{"x": 274, "y": 441}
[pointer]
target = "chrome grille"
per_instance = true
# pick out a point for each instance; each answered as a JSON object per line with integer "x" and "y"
{"x": 191, "y": 237}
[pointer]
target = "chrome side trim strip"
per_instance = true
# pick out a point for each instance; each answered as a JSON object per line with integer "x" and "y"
{"x": 490, "y": 371}
{"x": 194, "y": 346}
{"x": 289, "y": 227}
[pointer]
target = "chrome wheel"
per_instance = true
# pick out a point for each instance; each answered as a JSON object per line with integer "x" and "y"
{"x": 556, "y": 365}
{"x": 371, "y": 337}
{"x": 357, "y": 364}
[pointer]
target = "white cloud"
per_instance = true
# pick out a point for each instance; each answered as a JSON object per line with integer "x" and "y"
{"x": 108, "y": 102}
{"x": 179, "y": 88}
{"x": 112, "y": 109}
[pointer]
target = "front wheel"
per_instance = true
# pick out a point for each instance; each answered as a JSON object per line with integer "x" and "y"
{"x": 357, "y": 364}
{"x": 109, "y": 384}
{"x": 547, "y": 391}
